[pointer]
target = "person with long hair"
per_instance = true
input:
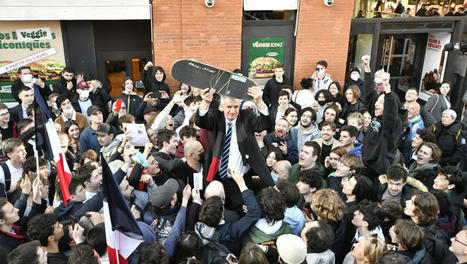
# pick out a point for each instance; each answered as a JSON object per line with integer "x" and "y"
{"x": 439, "y": 102}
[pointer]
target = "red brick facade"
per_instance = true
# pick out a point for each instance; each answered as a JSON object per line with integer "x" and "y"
{"x": 187, "y": 29}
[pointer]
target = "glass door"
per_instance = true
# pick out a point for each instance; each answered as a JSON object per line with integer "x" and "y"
{"x": 400, "y": 55}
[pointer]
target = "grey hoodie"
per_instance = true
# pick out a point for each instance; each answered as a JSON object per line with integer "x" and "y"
{"x": 303, "y": 136}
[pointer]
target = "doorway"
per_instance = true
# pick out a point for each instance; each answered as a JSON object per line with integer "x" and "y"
{"x": 402, "y": 56}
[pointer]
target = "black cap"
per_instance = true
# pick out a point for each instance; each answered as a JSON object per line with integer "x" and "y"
{"x": 355, "y": 69}
{"x": 92, "y": 109}
{"x": 149, "y": 109}
{"x": 103, "y": 129}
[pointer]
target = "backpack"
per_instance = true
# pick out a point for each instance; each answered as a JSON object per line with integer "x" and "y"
{"x": 7, "y": 174}
{"x": 439, "y": 250}
{"x": 214, "y": 252}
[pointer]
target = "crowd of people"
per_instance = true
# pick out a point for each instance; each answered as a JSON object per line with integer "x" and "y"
{"x": 391, "y": 9}
{"x": 328, "y": 173}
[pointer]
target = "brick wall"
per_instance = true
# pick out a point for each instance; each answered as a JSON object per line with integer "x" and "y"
{"x": 323, "y": 33}
{"x": 186, "y": 29}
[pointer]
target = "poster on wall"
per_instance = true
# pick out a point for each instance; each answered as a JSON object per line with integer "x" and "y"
{"x": 23, "y": 39}
{"x": 265, "y": 54}
{"x": 434, "y": 63}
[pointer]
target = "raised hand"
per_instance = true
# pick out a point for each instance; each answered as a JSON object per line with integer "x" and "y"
{"x": 207, "y": 95}
{"x": 148, "y": 65}
{"x": 25, "y": 185}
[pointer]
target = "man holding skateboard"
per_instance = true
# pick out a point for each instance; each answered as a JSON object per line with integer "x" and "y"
{"x": 232, "y": 145}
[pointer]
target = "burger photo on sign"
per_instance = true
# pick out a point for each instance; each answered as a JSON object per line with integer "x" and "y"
{"x": 263, "y": 67}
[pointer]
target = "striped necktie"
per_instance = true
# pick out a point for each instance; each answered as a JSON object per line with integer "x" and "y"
{"x": 225, "y": 153}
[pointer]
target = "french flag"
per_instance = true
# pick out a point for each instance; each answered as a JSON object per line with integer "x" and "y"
{"x": 121, "y": 230}
{"x": 48, "y": 142}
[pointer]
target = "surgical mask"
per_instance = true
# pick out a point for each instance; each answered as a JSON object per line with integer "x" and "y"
{"x": 85, "y": 94}
{"x": 321, "y": 103}
{"x": 27, "y": 78}
{"x": 69, "y": 111}
{"x": 355, "y": 76}
{"x": 274, "y": 177}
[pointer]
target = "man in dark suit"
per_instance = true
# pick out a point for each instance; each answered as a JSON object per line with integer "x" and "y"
{"x": 26, "y": 97}
{"x": 232, "y": 145}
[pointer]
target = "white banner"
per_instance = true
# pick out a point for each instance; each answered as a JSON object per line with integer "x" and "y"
{"x": 434, "y": 63}
{"x": 256, "y": 5}
{"x": 29, "y": 59}
{"x": 32, "y": 34}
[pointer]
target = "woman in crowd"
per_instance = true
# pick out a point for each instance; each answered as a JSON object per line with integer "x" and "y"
{"x": 336, "y": 91}
{"x": 322, "y": 97}
{"x": 367, "y": 251}
{"x": 273, "y": 156}
{"x": 353, "y": 102}
{"x": 425, "y": 167}
{"x": 439, "y": 102}
{"x": 331, "y": 161}
{"x": 291, "y": 115}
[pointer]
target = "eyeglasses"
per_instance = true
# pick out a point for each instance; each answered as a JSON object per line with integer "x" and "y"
{"x": 462, "y": 243}
{"x": 4, "y": 114}
{"x": 342, "y": 163}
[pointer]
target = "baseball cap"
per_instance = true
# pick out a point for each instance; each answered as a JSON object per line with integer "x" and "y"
{"x": 162, "y": 195}
{"x": 83, "y": 84}
{"x": 291, "y": 248}
{"x": 103, "y": 129}
{"x": 92, "y": 109}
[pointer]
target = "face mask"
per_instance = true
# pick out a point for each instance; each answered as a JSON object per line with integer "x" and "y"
{"x": 27, "y": 78}
{"x": 355, "y": 77}
{"x": 85, "y": 95}
{"x": 68, "y": 112}
{"x": 321, "y": 103}
{"x": 274, "y": 177}
{"x": 202, "y": 157}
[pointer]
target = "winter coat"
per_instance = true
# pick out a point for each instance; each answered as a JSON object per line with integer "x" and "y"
{"x": 436, "y": 104}
{"x": 451, "y": 141}
{"x": 425, "y": 173}
{"x": 151, "y": 85}
{"x": 290, "y": 139}
{"x": 229, "y": 234}
{"x": 272, "y": 88}
{"x": 409, "y": 188}
{"x": 384, "y": 132}
{"x": 293, "y": 176}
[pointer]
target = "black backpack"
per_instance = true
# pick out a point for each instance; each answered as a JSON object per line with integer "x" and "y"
{"x": 214, "y": 252}
{"x": 439, "y": 249}
{"x": 5, "y": 187}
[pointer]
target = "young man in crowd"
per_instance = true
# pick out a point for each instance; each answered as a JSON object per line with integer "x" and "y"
{"x": 309, "y": 181}
{"x": 308, "y": 159}
{"x": 27, "y": 79}
{"x": 274, "y": 85}
{"x": 327, "y": 142}
{"x": 321, "y": 79}
{"x": 69, "y": 114}
{"x": 88, "y": 138}
{"x": 394, "y": 187}
{"x": 48, "y": 231}
{"x": 107, "y": 141}
{"x": 19, "y": 112}
{"x": 307, "y": 129}
{"x": 282, "y": 139}
{"x": 167, "y": 143}
{"x": 12, "y": 170}
{"x": 348, "y": 140}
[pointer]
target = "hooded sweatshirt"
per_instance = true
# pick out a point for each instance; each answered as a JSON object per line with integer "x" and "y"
{"x": 303, "y": 135}
{"x": 272, "y": 89}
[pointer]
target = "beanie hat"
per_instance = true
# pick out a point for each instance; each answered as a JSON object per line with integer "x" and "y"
{"x": 291, "y": 248}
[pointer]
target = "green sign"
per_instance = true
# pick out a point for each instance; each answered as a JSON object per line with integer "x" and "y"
{"x": 265, "y": 54}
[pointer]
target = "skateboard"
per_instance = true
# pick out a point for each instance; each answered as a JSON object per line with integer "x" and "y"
{"x": 203, "y": 76}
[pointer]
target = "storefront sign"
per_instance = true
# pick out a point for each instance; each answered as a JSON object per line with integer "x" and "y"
{"x": 25, "y": 61}
{"x": 434, "y": 63}
{"x": 33, "y": 34}
{"x": 257, "y": 5}
{"x": 37, "y": 44}
{"x": 265, "y": 54}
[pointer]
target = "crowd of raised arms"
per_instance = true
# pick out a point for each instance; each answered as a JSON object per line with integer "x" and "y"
{"x": 328, "y": 173}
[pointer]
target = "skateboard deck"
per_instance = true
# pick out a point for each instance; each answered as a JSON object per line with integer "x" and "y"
{"x": 203, "y": 76}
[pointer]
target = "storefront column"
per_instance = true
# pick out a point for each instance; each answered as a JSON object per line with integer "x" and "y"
{"x": 323, "y": 34}
{"x": 189, "y": 30}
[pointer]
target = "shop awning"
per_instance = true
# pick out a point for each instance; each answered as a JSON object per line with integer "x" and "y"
{"x": 13, "y": 10}
{"x": 257, "y": 5}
